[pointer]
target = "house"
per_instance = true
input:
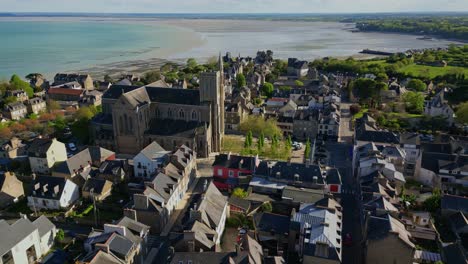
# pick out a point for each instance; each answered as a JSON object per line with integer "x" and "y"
{"x": 289, "y": 109}
{"x": 438, "y": 106}
{"x": 411, "y": 143}
{"x": 451, "y": 204}
{"x": 20, "y": 95}
{"x": 92, "y": 98}
{"x": 11, "y": 189}
{"x": 15, "y": 111}
{"x": 305, "y": 124}
{"x": 45, "y": 153}
{"x": 84, "y": 80}
{"x": 329, "y": 125}
{"x": 66, "y": 96}
{"x": 36, "y": 105}
{"x": 162, "y": 194}
{"x": 103, "y": 86}
{"x": 115, "y": 171}
{"x": 229, "y": 170}
{"x": 239, "y": 205}
{"x": 97, "y": 189}
{"x": 366, "y": 130}
{"x": 25, "y": 241}
{"x": 298, "y": 196}
{"x": 272, "y": 231}
{"x": 100, "y": 154}
{"x": 297, "y": 68}
{"x": 149, "y": 160}
{"x": 77, "y": 167}
{"x": 13, "y": 149}
{"x": 388, "y": 241}
{"x": 286, "y": 124}
{"x": 125, "y": 240}
{"x": 52, "y": 193}
{"x": 205, "y": 226}
{"x": 318, "y": 228}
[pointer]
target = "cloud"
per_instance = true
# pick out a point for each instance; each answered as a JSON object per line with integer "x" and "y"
{"x": 232, "y": 6}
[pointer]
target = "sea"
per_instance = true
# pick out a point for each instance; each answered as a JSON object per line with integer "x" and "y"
{"x": 48, "y": 43}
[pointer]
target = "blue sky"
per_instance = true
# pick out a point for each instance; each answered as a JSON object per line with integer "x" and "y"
{"x": 232, "y": 6}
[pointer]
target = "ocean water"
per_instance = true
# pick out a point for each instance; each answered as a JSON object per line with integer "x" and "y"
{"x": 50, "y": 44}
{"x": 53, "y": 46}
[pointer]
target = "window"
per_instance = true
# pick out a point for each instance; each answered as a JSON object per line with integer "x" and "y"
{"x": 194, "y": 115}
{"x": 181, "y": 114}
{"x": 231, "y": 174}
{"x": 321, "y": 250}
{"x": 220, "y": 172}
{"x": 169, "y": 112}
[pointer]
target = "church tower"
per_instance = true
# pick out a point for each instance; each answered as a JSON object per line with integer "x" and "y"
{"x": 212, "y": 92}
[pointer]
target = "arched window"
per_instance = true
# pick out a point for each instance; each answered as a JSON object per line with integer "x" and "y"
{"x": 158, "y": 113}
{"x": 194, "y": 115}
{"x": 131, "y": 125}
{"x": 181, "y": 114}
{"x": 169, "y": 112}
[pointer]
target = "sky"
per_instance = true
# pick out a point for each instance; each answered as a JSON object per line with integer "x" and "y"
{"x": 232, "y": 6}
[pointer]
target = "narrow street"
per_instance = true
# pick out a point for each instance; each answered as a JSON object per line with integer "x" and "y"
{"x": 345, "y": 133}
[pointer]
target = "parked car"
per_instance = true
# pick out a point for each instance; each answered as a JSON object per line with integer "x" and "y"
{"x": 72, "y": 146}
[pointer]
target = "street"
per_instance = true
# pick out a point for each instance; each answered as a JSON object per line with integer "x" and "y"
{"x": 345, "y": 133}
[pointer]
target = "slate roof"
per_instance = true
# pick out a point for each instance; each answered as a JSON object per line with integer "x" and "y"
{"x": 162, "y": 187}
{"x": 454, "y": 203}
{"x": 380, "y": 227}
{"x": 454, "y": 253}
{"x": 333, "y": 176}
{"x": 39, "y": 145}
{"x": 201, "y": 231}
{"x": 116, "y": 90}
{"x": 133, "y": 225}
{"x": 302, "y": 195}
{"x": 212, "y": 206}
{"x": 154, "y": 151}
{"x": 97, "y": 185}
{"x": 268, "y": 222}
{"x": 100, "y": 257}
{"x": 174, "y": 96}
{"x": 287, "y": 171}
{"x": 410, "y": 138}
{"x": 75, "y": 163}
{"x": 458, "y": 220}
{"x": 13, "y": 234}
{"x": 234, "y": 162}
{"x": 99, "y": 154}
{"x": 239, "y": 202}
{"x": 44, "y": 225}
{"x": 365, "y": 132}
{"x": 202, "y": 257}
{"x": 52, "y": 183}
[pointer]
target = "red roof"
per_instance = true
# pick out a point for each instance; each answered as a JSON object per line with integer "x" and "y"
{"x": 66, "y": 91}
{"x": 278, "y": 99}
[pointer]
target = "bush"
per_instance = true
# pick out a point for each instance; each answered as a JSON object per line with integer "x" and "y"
{"x": 266, "y": 207}
{"x": 240, "y": 193}
{"x": 417, "y": 85}
{"x": 267, "y": 89}
{"x": 354, "y": 109}
{"x": 60, "y": 235}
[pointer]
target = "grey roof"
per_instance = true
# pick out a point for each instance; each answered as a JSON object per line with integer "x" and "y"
{"x": 239, "y": 202}
{"x": 410, "y": 138}
{"x": 39, "y": 145}
{"x": 201, "y": 232}
{"x": 165, "y": 127}
{"x": 120, "y": 245}
{"x": 162, "y": 186}
{"x": 54, "y": 187}
{"x": 212, "y": 206}
{"x": 13, "y": 234}
{"x": 454, "y": 253}
{"x": 455, "y": 203}
{"x": 333, "y": 176}
{"x": 458, "y": 220}
{"x": 116, "y": 90}
{"x": 44, "y": 225}
{"x": 98, "y": 153}
{"x": 268, "y": 222}
{"x": 174, "y": 96}
{"x": 133, "y": 225}
{"x": 380, "y": 227}
{"x": 302, "y": 195}
{"x": 154, "y": 151}
{"x": 95, "y": 185}
{"x": 15, "y": 106}
{"x": 75, "y": 164}
{"x": 101, "y": 257}
{"x": 234, "y": 161}
{"x": 202, "y": 257}
{"x": 287, "y": 171}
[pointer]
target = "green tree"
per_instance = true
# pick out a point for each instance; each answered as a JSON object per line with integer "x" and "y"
{"x": 285, "y": 88}
{"x": 432, "y": 204}
{"x": 417, "y": 85}
{"x": 240, "y": 193}
{"x": 307, "y": 150}
{"x": 381, "y": 86}
{"x": 52, "y": 105}
{"x": 240, "y": 80}
{"x": 267, "y": 207}
{"x": 261, "y": 139}
{"x": 382, "y": 77}
{"x": 414, "y": 102}
{"x": 298, "y": 83}
{"x": 10, "y": 99}
{"x": 84, "y": 113}
{"x": 288, "y": 144}
{"x": 250, "y": 138}
{"x": 17, "y": 84}
{"x": 191, "y": 63}
{"x": 366, "y": 88}
{"x": 151, "y": 77}
{"x": 267, "y": 89}
{"x": 258, "y": 124}
{"x": 60, "y": 235}
{"x": 462, "y": 113}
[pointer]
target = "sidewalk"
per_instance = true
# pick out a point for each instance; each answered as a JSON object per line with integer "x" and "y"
{"x": 180, "y": 208}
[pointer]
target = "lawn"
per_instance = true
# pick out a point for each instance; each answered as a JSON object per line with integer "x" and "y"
{"x": 361, "y": 113}
{"x": 235, "y": 144}
{"x": 431, "y": 71}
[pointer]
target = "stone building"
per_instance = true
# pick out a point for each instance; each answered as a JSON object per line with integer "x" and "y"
{"x": 133, "y": 117}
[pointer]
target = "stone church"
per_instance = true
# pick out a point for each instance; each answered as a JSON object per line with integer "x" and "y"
{"x": 133, "y": 117}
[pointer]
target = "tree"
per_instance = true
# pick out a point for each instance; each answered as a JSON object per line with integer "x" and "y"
{"x": 10, "y": 99}
{"x": 414, "y": 102}
{"x": 354, "y": 109}
{"x": 34, "y": 76}
{"x": 366, "y": 88}
{"x": 60, "y": 235}
{"x": 381, "y": 86}
{"x": 267, "y": 207}
{"x": 52, "y": 105}
{"x": 240, "y": 80}
{"x": 240, "y": 193}
{"x": 151, "y": 77}
{"x": 18, "y": 127}
{"x": 298, "y": 83}
{"x": 17, "y": 84}
{"x": 462, "y": 113}
{"x": 307, "y": 150}
{"x": 382, "y": 77}
{"x": 417, "y": 85}
{"x": 5, "y": 133}
{"x": 84, "y": 113}
{"x": 249, "y": 138}
{"x": 258, "y": 125}
{"x": 288, "y": 144}
{"x": 191, "y": 63}
{"x": 261, "y": 139}
{"x": 432, "y": 204}
{"x": 285, "y": 88}
{"x": 267, "y": 89}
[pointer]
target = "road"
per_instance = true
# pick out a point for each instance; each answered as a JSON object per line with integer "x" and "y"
{"x": 345, "y": 133}
{"x": 341, "y": 158}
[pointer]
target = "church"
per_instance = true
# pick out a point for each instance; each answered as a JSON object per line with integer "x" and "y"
{"x": 132, "y": 117}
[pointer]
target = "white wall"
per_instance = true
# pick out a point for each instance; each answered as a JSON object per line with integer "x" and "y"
{"x": 19, "y": 250}
{"x": 57, "y": 152}
{"x": 70, "y": 194}
{"x": 47, "y": 240}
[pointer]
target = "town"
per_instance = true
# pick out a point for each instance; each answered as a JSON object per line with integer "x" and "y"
{"x": 239, "y": 160}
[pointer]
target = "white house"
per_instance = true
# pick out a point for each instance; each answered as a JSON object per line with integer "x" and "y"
{"x": 25, "y": 241}
{"x": 52, "y": 193}
{"x": 44, "y": 153}
{"x": 149, "y": 160}
{"x": 439, "y": 106}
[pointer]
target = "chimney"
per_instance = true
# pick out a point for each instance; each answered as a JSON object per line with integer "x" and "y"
{"x": 229, "y": 156}
{"x": 130, "y": 213}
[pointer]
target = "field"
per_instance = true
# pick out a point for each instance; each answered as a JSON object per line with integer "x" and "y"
{"x": 424, "y": 71}
{"x": 235, "y": 144}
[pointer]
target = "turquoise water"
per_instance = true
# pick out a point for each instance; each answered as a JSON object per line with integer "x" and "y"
{"x": 49, "y": 47}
